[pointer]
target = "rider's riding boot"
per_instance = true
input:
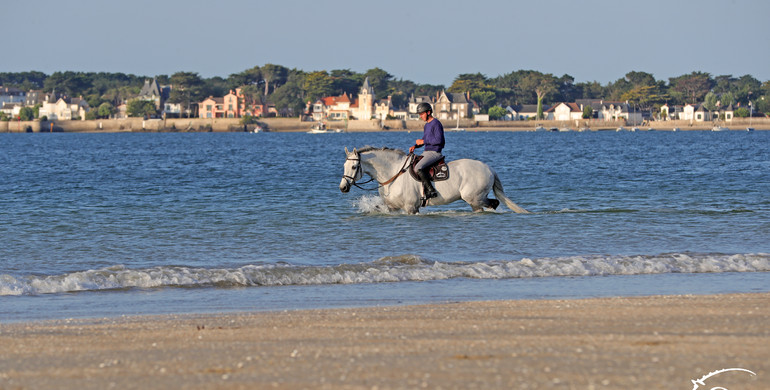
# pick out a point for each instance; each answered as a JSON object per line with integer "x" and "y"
{"x": 428, "y": 189}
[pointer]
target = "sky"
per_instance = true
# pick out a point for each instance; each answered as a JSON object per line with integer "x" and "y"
{"x": 427, "y": 41}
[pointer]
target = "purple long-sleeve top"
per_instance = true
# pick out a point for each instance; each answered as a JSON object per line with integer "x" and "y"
{"x": 433, "y": 135}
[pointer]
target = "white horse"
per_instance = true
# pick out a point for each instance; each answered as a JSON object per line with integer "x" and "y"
{"x": 469, "y": 180}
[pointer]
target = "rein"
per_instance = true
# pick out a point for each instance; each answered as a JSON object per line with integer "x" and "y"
{"x": 401, "y": 171}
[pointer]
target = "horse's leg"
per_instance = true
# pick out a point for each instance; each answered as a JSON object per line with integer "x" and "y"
{"x": 485, "y": 204}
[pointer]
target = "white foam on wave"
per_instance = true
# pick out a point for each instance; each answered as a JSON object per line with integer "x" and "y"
{"x": 371, "y": 204}
{"x": 389, "y": 269}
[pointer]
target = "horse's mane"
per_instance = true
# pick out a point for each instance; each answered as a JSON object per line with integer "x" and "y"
{"x": 384, "y": 148}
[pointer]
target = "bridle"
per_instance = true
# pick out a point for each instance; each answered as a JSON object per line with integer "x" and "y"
{"x": 360, "y": 173}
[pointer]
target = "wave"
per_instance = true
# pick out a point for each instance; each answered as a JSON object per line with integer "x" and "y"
{"x": 388, "y": 269}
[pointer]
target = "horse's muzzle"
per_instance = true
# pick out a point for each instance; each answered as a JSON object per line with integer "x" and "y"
{"x": 344, "y": 185}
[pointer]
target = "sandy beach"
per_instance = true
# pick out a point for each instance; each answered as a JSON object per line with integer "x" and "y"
{"x": 661, "y": 342}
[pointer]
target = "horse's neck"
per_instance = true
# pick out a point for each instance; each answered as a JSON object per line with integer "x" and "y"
{"x": 382, "y": 166}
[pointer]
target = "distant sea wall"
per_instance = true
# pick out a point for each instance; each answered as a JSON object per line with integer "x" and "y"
{"x": 295, "y": 125}
{"x": 191, "y": 125}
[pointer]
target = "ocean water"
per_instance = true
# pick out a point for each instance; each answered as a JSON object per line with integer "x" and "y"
{"x": 96, "y": 225}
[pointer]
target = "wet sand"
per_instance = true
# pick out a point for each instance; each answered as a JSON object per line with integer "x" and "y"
{"x": 661, "y": 342}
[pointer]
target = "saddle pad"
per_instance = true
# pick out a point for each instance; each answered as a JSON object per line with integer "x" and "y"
{"x": 438, "y": 171}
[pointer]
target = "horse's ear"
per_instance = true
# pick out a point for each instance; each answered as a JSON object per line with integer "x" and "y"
{"x": 346, "y": 151}
{"x": 355, "y": 151}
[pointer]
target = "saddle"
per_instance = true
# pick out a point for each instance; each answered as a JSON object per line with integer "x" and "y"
{"x": 439, "y": 171}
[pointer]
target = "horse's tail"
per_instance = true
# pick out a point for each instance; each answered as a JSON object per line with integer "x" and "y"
{"x": 500, "y": 195}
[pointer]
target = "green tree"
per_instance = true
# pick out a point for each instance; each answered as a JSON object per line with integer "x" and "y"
{"x": 710, "y": 101}
{"x": 588, "y": 112}
{"x": 186, "y": 87}
{"x": 346, "y": 81}
{"x": 273, "y": 75}
{"x": 251, "y": 76}
{"x": 23, "y": 80}
{"x": 141, "y": 108}
{"x": 496, "y": 112}
{"x": 317, "y": 85}
{"x": 544, "y": 87}
{"x": 692, "y": 87}
{"x": 105, "y": 110}
{"x": 379, "y": 79}
{"x": 485, "y": 99}
{"x": 640, "y": 78}
{"x": 762, "y": 105}
{"x": 726, "y": 99}
{"x": 27, "y": 113}
{"x": 119, "y": 95}
{"x": 69, "y": 83}
{"x": 291, "y": 96}
{"x": 742, "y": 112}
{"x": 469, "y": 82}
{"x": 480, "y": 89}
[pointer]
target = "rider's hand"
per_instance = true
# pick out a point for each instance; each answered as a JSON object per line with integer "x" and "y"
{"x": 411, "y": 150}
{"x": 419, "y": 142}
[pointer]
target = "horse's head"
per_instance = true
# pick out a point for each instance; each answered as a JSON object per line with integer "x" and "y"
{"x": 352, "y": 172}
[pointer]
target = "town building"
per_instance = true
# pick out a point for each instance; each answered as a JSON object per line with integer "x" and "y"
{"x": 56, "y": 107}
{"x": 522, "y": 112}
{"x": 452, "y": 105}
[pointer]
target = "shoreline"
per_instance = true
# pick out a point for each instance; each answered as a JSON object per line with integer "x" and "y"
{"x": 295, "y": 125}
{"x": 637, "y": 342}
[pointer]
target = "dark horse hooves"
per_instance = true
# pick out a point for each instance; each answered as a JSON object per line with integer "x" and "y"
{"x": 493, "y": 203}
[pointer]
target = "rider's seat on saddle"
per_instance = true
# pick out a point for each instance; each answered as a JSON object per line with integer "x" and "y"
{"x": 439, "y": 171}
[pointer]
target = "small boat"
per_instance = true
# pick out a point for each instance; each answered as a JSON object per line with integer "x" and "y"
{"x": 565, "y": 130}
{"x": 457, "y": 129}
{"x": 634, "y": 129}
{"x": 553, "y": 129}
{"x": 320, "y": 128}
{"x": 749, "y": 129}
{"x": 650, "y": 129}
{"x": 584, "y": 129}
{"x": 258, "y": 129}
{"x": 540, "y": 128}
{"x": 675, "y": 129}
{"x": 621, "y": 128}
{"x": 719, "y": 128}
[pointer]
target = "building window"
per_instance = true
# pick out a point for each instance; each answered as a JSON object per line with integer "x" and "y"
{"x": 208, "y": 108}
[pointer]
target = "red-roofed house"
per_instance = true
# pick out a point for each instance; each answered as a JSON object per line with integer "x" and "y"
{"x": 332, "y": 107}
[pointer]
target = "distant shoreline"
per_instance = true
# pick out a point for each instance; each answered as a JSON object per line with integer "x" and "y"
{"x": 295, "y": 125}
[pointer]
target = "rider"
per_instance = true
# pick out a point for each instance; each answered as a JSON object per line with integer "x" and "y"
{"x": 433, "y": 140}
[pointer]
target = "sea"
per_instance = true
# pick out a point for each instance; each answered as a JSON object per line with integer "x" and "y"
{"x": 109, "y": 225}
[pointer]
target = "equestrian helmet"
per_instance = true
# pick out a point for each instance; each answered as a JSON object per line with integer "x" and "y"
{"x": 423, "y": 107}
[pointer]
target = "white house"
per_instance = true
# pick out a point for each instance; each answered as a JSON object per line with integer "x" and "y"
{"x": 11, "y": 109}
{"x": 695, "y": 112}
{"x": 64, "y": 108}
{"x": 383, "y": 108}
{"x": 565, "y": 112}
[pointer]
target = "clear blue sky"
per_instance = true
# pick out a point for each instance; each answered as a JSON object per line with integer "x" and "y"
{"x": 424, "y": 41}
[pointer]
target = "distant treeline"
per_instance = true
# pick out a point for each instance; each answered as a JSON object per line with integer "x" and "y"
{"x": 290, "y": 89}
